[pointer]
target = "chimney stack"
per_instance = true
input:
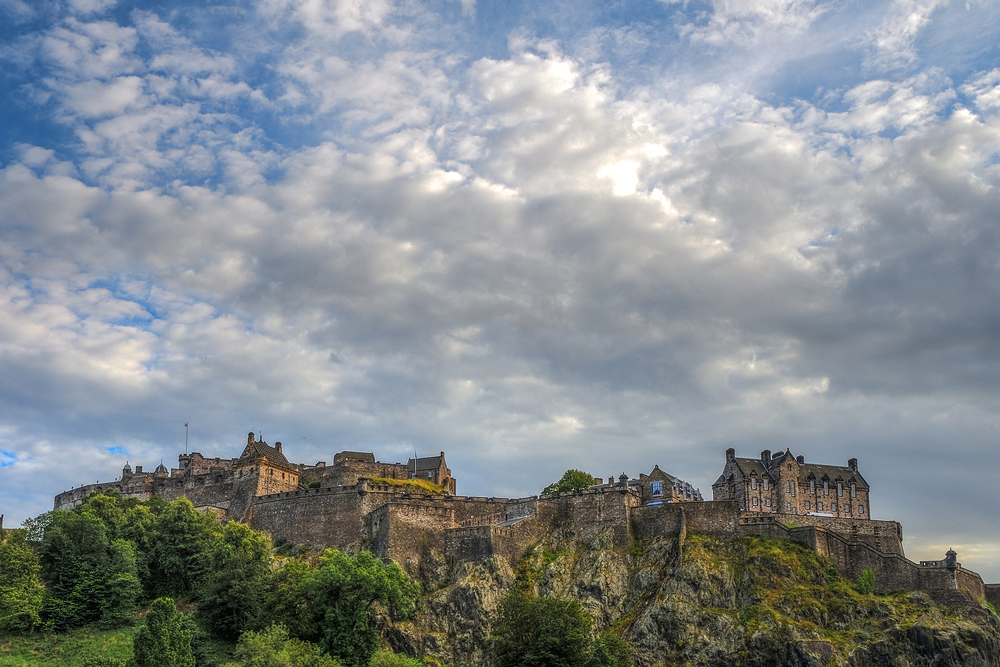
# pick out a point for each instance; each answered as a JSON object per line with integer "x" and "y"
{"x": 730, "y": 454}
{"x": 765, "y": 458}
{"x": 277, "y": 447}
{"x": 801, "y": 459}
{"x": 852, "y": 464}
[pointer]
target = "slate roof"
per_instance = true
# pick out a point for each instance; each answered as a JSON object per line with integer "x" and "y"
{"x": 258, "y": 449}
{"x": 749, "y": 465}
{"x": 425, "y": 463}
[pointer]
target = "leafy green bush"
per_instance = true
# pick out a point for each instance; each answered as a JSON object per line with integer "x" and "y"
{"x": 540, "y": 632}
{"x": 274, "y": 648}
{"x": 163, "y": 641}
{"x": 390, "y": 659}
{"x": 866, "y": 582}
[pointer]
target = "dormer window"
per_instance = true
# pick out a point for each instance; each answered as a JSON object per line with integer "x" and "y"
{"x": 753, "y": 482}
{"x": 812, "y": 486}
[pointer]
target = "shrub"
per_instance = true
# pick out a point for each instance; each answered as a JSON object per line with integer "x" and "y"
{"x": 866, "y": 582}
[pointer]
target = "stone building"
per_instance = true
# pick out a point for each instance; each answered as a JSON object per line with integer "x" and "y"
{"x": 785, "y": 484}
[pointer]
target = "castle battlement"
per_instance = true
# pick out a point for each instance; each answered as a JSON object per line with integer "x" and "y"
{"x": 824, "y": 507}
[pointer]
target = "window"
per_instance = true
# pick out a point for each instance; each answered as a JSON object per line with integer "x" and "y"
{"x": 753, "y": 483}
{"x": 657, "y": 489}
{"x": 768, "y": 502}
{"x": 840, "y": 488}
{"x": 854, "y": 490}
{"x": 833, "y": 507}
{"x": 861, "y": 509}
{"x": 807, "y": 505}
{"x": 767, "y": 484}
{"x": 826, "y": 487}
{"x": 754, "y": 503}
{"x": 847, "y": 508}
{"x": 812, "y": 486}
{"x": 819, "y": 505}
{"x": 788, "y": 507}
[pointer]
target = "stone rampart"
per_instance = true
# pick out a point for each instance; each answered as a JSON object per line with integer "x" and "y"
{"x": 323, "y": 517}
{"x": 993, "y": 595}
{"x": 585, "y": 514}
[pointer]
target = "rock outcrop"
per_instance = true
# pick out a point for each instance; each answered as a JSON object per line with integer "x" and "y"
{"x": 704, "y": 602}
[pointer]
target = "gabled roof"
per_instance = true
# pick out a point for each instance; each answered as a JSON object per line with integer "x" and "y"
{"x": 425, "y": 463}
{"x": 748, "y": 465}
{"x": 258, "y": 449}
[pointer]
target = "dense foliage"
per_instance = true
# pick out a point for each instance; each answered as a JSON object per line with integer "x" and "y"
{"x": 100, "y": 561}
{"x": 572, "y": 480}
{"x": 551, "y": 632}
{"x": 21, "y": 589}
{"x": 163, "y": 641}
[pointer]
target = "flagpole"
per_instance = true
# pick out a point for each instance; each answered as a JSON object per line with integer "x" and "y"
{"x": 185, "y": 438}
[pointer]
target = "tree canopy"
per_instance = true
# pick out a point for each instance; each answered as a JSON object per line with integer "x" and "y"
{"x": 572, "y": 480}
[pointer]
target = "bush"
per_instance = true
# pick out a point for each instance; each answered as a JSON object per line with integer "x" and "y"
{"x": 273, "y": 648}
{"x": 390, "y": 659}
{"x": 866, "y": 582}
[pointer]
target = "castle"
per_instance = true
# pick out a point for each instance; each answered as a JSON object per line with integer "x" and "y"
{"x": 411, "y": 512}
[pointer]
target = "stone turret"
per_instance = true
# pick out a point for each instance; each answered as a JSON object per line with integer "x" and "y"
{"x": 126, "y": 472}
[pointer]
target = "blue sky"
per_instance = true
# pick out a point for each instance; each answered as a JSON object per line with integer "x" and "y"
{"x": 534, "y": 235}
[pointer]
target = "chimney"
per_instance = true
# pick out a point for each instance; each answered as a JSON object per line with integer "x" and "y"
{"x": 852, "y": 464}
{"x": 277, "y": 447}
{"x": 765, "y": 458}
{"x": 250, "y": 438}
{"x": 801, "y": 459}
{"x": 730, "y": 454}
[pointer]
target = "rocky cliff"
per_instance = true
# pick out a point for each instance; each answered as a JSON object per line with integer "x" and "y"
{"x": 703, "y": 601}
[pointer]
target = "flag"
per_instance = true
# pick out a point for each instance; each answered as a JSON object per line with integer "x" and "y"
{"x": 185, "y": 424}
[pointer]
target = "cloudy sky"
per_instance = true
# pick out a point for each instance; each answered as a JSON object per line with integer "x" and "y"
{"x": 536, "y": 235}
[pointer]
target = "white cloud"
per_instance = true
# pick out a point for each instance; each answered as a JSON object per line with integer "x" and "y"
{"x": 892, "y": 42}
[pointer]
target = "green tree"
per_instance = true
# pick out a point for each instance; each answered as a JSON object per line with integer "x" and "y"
{"x": 181, "y": 539}
{"x": 21, "y": 589}
{"x": 122, "y": 589}
{"x": 572, "y": 480}
{"x": 342, "y": 592}
{"x": 390, "y": 659}
{"x": 272, "y": 647}
{"x": 74, "y": 556}
{"x": 540, "y": 632}
{"x": 286, "y": 601}
{"x": 234, "y": 587}
{"x": 163, "y": 640}
{"x": 866, "y": 581}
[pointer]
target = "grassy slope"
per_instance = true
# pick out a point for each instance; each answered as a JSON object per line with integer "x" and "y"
{"x": 65, "y": 650}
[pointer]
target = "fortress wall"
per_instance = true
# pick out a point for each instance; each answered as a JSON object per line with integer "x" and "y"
{"x": 346, "y": 473}
{"x": 590, "y": 512}
{"x": 653, "y": 520}
{"x": 512, "y": 542}
{"x": 884, "y": 536}
{"x": 971, "y": 582}
{"x": 992, "y": 592}
{"x": 318, "y": 517}
{"x": 714, "y": 517}
{"x": 413, "y": 529}
{"x": 518, "y": 507}
{"x": 469, "y": 543}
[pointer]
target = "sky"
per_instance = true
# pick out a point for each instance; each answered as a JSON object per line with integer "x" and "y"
{"x": 534, "y": 235}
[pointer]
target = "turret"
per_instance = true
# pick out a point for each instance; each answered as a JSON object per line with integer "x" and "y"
{"x": 161, "y": 471}
{"x": 126, "y": 472}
